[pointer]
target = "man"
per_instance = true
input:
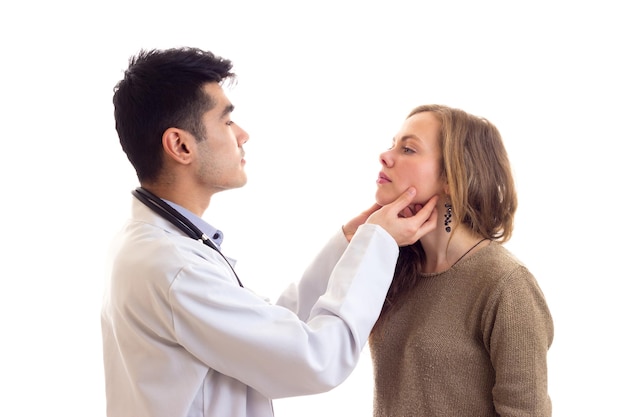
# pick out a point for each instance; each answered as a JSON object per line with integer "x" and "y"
{"x": 181, "y": 335}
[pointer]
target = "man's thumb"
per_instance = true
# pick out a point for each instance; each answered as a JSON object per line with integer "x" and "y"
{"x": 403, "y": 200}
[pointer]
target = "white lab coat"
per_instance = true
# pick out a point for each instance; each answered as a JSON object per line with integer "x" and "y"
{"x": 182, "y": 339}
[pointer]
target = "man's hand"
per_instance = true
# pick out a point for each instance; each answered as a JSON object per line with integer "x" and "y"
{"x": 405, "y": 223}
{"x": 349, "y": 229}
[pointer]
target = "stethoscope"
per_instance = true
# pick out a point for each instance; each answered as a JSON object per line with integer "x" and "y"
{"x": 168, "y": 212}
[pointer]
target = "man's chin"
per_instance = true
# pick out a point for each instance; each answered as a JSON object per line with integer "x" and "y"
{"x": 242, "y": 181}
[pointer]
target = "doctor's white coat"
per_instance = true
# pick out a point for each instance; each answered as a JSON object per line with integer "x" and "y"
{"x": 182, "y": 339}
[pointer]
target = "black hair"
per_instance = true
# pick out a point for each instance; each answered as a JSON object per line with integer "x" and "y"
{"x": 163, "y": 89}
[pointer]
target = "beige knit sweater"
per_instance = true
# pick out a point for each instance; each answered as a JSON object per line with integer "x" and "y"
{"x": 468, "y": 342}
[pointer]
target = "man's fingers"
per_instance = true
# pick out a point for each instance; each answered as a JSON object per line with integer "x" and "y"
{"x": 429, "y": 207}
{"x": 372, "y": 209}
{"x": 403, "y": 201}
{"x": 398, "y": 220}
{"x": 406, "y": 212}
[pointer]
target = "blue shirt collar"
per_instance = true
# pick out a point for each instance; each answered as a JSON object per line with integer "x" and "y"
{"x": 214, "y": 234}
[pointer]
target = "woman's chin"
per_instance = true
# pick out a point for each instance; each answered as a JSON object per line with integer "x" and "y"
{"x": 383, "y": 200}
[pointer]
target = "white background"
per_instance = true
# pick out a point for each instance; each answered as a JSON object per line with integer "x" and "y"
{"x": 323, "y": 86}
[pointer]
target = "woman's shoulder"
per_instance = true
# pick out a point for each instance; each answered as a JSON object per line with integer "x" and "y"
{"x": 496, "y": 264}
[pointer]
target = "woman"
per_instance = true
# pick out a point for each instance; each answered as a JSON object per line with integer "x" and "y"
{"x": 465, "y": 329}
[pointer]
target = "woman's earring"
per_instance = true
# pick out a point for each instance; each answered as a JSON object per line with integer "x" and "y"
{"x": 448, "y": 217}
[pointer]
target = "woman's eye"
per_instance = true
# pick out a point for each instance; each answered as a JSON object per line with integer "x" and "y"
{"x": 407, "y": 150}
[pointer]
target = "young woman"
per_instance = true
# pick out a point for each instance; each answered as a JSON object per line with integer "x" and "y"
{"x": 465, "y": 329}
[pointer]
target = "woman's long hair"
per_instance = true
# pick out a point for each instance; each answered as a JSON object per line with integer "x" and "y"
{"x": 481, "y": 188}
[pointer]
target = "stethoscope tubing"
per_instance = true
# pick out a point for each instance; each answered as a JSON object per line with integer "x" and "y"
{"x": 170, "y": 214}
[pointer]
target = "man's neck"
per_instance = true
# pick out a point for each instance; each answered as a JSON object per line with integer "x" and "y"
{"x": 194, "y": 201}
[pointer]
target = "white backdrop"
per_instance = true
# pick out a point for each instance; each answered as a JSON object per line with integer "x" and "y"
{"x": 323, "y": 87}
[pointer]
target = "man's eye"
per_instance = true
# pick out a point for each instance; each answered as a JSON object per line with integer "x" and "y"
{"x": 229, "y": 123}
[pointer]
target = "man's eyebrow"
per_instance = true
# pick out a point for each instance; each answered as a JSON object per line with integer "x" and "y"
{"x": 227, "y": 110}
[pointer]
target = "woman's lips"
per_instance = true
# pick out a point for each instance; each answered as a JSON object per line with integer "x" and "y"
{"x": 382, "y": 178}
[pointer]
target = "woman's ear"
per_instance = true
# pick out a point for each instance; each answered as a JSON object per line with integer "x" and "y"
{"x": 177, "y": 144}
{"x": 446, "y": 187}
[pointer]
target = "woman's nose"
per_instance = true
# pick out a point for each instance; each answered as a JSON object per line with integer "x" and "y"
{"x": 385, "y": 159}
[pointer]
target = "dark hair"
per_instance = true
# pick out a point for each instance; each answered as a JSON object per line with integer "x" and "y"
{"x": 163, "y": 89}
{"x": 481, "y": 186}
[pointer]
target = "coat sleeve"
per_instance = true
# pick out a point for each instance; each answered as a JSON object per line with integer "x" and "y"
{"x": 269, "y": 347}
{"x": 300, "y": 296}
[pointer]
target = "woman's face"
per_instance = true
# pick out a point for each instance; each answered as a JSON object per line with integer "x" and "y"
{"x": 414, "y": 159}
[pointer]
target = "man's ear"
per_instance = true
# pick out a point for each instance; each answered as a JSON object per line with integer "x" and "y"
{"x": 178, "y": 145}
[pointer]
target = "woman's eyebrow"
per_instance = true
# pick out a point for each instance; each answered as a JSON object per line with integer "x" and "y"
{"x": 404, "y": 138}
{"x": 410, "y": 136}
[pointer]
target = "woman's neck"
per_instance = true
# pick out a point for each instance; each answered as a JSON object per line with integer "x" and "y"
{"x": 443, "y": 250}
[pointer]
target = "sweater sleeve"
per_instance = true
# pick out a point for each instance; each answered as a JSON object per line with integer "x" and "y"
{"x": 518, "y": 331}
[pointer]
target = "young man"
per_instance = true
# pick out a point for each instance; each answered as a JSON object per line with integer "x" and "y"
{"x": 181, "y": 335}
